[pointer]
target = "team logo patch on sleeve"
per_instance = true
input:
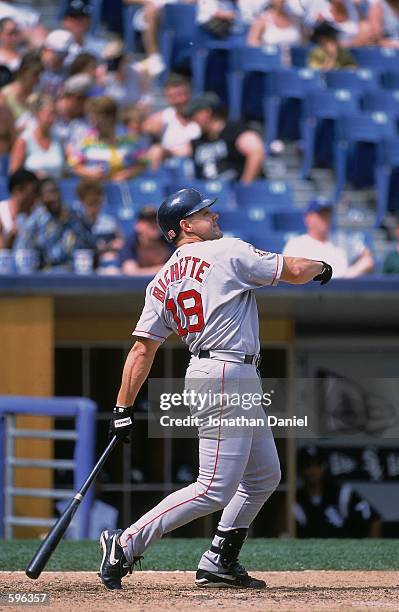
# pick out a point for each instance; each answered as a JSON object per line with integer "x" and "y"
{"x": 260, "y": 252}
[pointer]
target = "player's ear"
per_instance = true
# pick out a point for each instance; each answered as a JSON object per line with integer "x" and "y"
{"x": 185, "y": 225}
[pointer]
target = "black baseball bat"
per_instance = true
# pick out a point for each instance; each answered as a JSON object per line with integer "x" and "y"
{"x": 49, "y": 544}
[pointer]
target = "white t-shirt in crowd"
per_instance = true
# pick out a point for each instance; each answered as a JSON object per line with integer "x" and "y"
{"x": 176, "y": 133}
{"x": 310, "y": 248}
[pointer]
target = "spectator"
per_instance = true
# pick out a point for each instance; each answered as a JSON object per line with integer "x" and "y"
{"x": 316, "y": 244}
{"x": 344, "y": 17}
{"x": 10, "y": 38}
{"x": 328, "y": 54}
{"x": 54, "y": 52}
{"x": 391, "y": 262}
{"x": 325, "y": 508}
{"x": 107, "y": 234}
{"x": 23, "y": 187}
{"x": 15, "y": 95}
{"x": 7, "y": 130}
{"x": 227, "y": 150}
{"x": 84, "y": 63}
{"x": 28, "y": 21}
{"x": 54, "y": 231}
{"x": 72, "y": 124}
{"x": 77, "y": 21}
{"x": 146, "y": 21}
{"x": 38, "y": 149}
{"x": 145, "y": 250}
{"x": 222, "y": 17}
{"x": 103, "y": 154}
{"x": 124, "y": 81}
{"x": 384, "y": 22}
{"x": 133, "y": 118}
{"x": 170, "y": 126}
{"x": 276, "y": 26}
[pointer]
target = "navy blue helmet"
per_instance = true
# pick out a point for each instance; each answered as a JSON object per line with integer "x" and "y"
{"x": 178, "y": 206}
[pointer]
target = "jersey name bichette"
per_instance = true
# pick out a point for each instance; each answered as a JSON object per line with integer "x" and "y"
{"x": 204, "y": 293}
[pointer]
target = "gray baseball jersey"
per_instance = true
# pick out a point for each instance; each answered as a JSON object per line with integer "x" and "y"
{"x": 204, "y": 293}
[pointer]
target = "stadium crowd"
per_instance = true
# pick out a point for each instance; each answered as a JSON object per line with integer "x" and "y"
{"x": 85, "y": 123}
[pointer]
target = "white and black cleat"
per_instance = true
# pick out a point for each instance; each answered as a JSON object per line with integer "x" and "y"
{"x": 114, "y": 565}
{"x": 235, "y": 576}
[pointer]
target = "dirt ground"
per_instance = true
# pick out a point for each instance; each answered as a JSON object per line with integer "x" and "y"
{"x": 155, "y": 591}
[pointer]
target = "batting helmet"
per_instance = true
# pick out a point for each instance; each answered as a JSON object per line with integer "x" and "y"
{"x": 178, "y": 206}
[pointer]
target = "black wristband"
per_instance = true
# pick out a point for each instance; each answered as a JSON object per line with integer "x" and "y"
{"x": 325, "y": 275}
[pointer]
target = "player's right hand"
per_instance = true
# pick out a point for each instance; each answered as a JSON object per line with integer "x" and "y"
{"x": 121, "y": 423}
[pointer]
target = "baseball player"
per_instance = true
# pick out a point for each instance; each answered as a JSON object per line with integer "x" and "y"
{"x": 204, "y": 293}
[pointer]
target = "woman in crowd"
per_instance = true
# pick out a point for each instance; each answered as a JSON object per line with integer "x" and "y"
{"x": 37, "y": 148}
{"x": 384, "y": 23}
{"x": 104, "y": 153}
{"x": 344, "y": 16}
{"x": 328, "y": 54}
{"x": 276, "y": 26}
{"x": 15, "y": 95}
{"x": 9, "y": 41}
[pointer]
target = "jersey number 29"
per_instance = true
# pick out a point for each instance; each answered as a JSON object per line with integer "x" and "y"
{"x": 188, "y": 311}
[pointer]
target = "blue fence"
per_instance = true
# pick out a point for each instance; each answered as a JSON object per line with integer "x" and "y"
{"x": 84, "y": 413}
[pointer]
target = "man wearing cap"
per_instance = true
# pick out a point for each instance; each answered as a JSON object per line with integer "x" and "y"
{"x": 55, "y": 50}
{"x": 73, "y": 123}
{"x": 317, "y": 244}
{"x": 226, "y": 150}
{"x": 327, "y": 508}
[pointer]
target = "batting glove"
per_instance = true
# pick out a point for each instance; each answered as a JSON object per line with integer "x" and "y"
{"x": 325, "y": 275}
{"x": 121, "y": 423}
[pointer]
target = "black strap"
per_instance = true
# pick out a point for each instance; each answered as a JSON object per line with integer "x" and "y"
{"x": 206, "y": 355}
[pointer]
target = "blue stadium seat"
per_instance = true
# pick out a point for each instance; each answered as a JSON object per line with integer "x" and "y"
{"x": 179, "y": 170}
{"x": 130, "y": 35}
{"x": 242, "y": 62}
{"x": 363, "y": 128}
{"x": 384, "y": 173}
{"x": 382, "y": 100}
{"x": 214, "y": 189}
{"x": 267, "y": 194}
{"x": 4, "y": 193}
{"x": 208, "y": 55}
{"x": 272, "y": 242}
{"x": 377, "y": 58}
{"x": 390, "y": 79}
{"x": 288, "y": 221}
{"x": 321, "y": 110}
{"x": 4, "y": 159}
{"x": 68, "y": 191}
{"x": 145, "y": 191}
{"x": 299, "y": 55}
{"x": 286, "y": 86}
{"x": 176, "y": 32}
{"x": 361, "y": 80}
{"x": 244, "y": 223}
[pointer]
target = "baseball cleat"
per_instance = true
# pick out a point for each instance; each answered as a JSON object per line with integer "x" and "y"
{"x": 114, "y": 565}
{"x": 235, "y": 576}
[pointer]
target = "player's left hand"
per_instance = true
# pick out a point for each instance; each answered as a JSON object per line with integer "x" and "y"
{"x": 121, "y": 423}
{"x": 325, "y": 275}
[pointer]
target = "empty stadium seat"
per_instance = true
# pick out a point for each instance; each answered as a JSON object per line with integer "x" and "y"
{"x": 272, "y": 242}
{"x": 361, "y": 80}
{"x": 242, "y": 62}
{"x": 378, "y": 58}
{"x": 288, "y": 221}
{"x": 287, "y": 85}
{"x": 145, "y": 191}
{"x": 267, "y": 194}
{"x": 384, "y": 172}
{"x": 176, "y": 32}
{"x": 321, "y": 110}
{"x": 390, "y": 79}
{"x": 369, "y": 128}
{"x": 206, "y": 48}
{"x": 299, "y": 55}
{"x": 382, "y": 100}
{"x": 244, "y": 223}
{"x": 213, "y": 189}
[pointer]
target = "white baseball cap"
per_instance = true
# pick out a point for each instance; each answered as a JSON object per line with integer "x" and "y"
{"x": 59, "y": 41}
